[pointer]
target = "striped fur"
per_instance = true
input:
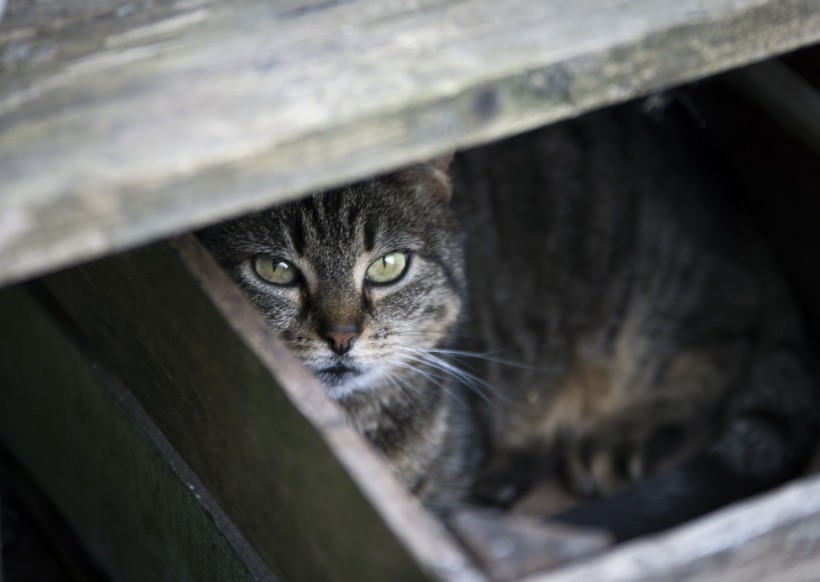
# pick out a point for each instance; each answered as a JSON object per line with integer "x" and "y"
{"x": 655, "y": 341}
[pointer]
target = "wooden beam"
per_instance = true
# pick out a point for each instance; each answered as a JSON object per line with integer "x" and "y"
{"x": 121, "y": 127}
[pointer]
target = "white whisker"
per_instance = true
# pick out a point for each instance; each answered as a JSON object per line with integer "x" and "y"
{"x": 439, "y": 381}
{"x": 471, "y": 381}
{"x": 490, "y": 357}
{"x": 394, "y": 380}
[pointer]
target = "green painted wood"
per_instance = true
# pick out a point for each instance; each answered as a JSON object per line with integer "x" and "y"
{"x": 93, "y": 451}
{"x": 122, "y": 125}
{"x": 276, "y": 455}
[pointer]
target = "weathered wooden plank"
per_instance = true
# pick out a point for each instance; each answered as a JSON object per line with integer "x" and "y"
{"x": 275, "y": 453}
{"x": 511, "y": 546}
{"x": 141, "y": 512}
{"x": 116, "y": 131}
{"x": 36, "y": 12}
{"x": 775, "y": 537}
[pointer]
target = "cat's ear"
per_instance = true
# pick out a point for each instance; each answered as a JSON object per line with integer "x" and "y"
{"x": 431, "y": 177}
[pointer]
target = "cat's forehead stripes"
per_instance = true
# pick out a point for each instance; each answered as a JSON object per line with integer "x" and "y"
{"x": 295, "y": 231}
{"x": 369, "y": 234}
{"x": 354, "y": 220}
{"x": 321, "y": 219}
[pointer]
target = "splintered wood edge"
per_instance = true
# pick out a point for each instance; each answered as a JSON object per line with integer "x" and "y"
{"x": 757, "y": 539}
{"x": 423, "y": 536}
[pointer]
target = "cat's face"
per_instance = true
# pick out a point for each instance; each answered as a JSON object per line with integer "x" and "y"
{"x": 355, "y": 281}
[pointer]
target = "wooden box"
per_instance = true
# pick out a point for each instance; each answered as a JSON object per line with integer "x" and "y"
{"x": 141, "y": 391}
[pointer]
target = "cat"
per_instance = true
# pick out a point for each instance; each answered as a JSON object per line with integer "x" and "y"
{"x": 630, "y": 331}
{"x": 364, "y": 285}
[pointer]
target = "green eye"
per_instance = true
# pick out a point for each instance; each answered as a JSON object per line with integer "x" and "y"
{"x": 388, "y": 268}
{"x": 274, "y": 271}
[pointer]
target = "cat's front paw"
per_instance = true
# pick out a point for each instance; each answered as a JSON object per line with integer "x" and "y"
{"x": 604, "y": 461}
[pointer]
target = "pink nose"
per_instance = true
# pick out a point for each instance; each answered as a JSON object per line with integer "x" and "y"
{"x": 341, "y": 340}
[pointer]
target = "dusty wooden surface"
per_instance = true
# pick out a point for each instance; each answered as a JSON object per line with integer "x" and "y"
{"x": 141, "y": 513}
{"x": 251, "y": 422}
{"x": 511, "y": 546}
{"x": 119, "y": 125}
{"x": 771, "y": 538}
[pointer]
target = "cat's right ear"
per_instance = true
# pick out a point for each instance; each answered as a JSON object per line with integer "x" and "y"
{"x": 432, "y": 177}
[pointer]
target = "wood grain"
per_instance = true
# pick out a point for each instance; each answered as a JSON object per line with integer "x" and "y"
{"x": 122, "y": 125}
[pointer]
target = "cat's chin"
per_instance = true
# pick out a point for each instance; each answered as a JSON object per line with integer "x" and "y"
{"x": 341, "y": 381}
{"x": 337, "y": 375}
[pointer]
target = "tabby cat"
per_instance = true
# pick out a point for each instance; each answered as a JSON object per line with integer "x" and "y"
{"x": 634, "y": 337}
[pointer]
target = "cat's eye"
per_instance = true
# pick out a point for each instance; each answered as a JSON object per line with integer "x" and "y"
{"x": 387, "y": 269}
{"x": 273, "y": 270}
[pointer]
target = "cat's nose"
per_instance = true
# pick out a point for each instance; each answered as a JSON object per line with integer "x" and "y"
{"x": 341, "y": 338}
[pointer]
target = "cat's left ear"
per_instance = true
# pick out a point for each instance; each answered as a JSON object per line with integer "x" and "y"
{"x": 431, "y": 177}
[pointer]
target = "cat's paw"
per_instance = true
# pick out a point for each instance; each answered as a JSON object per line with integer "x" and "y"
{"x": 605, "y": 461}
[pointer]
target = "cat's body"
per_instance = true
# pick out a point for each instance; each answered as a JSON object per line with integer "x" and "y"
{"x": 648, "y": 311}
{"x": 630, "y": 321}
